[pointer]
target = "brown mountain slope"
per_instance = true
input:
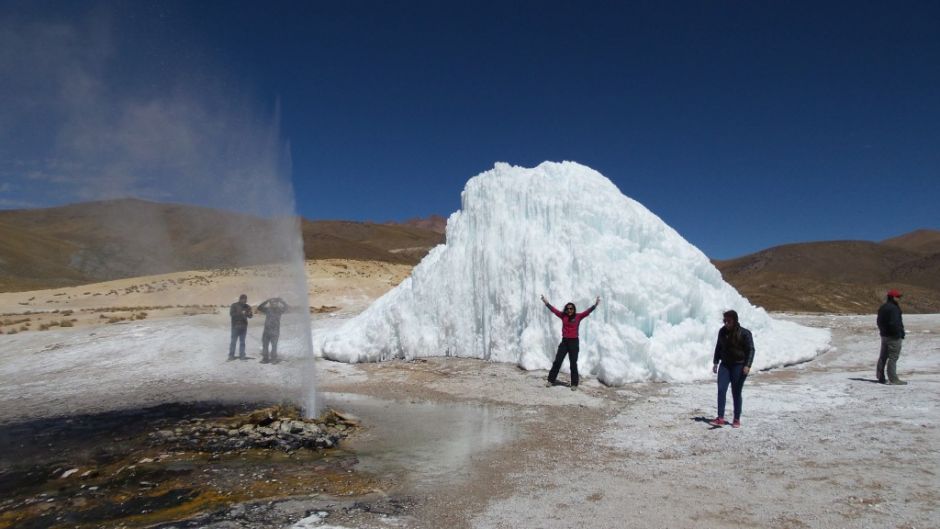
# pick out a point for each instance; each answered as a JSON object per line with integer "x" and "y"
{"x": 319, "y": 245}
{"x": 839, "y": 276}
{"x": 393, "y": 239}
{"x": 924, "y": 271}
{"x": 122, "y": 238}
{"x": 99, "y": 241}
{"x": 434, "y": 223}
{"x": 32, "y": 261}
{"x": 838, "y": 261}
{"x": 922, "y": 241}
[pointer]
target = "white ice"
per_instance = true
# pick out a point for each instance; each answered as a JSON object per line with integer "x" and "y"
{"x": 565, "y": 231}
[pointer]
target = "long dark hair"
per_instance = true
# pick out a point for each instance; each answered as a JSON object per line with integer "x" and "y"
{"x": 570, "y": 316}
{"x": 734, "y": 334}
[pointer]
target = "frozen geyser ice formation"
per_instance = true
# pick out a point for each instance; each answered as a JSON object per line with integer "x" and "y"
{"x": 564, "y": 230}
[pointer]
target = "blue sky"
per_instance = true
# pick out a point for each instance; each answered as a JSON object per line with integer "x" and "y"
{"x": 743, "y": 125}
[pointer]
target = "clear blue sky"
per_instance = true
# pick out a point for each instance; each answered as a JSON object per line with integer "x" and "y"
{"x": 743, "y": 124}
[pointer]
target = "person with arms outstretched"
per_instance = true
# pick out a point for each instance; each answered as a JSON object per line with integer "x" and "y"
{"x": 569, "y": 346}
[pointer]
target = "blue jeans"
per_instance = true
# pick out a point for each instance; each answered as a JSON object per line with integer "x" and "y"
{"x": 238, "y": 334}
{"x": 732, "y": 374}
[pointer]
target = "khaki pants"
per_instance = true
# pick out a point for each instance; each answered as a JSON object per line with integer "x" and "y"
{"x": 890, "y": 352}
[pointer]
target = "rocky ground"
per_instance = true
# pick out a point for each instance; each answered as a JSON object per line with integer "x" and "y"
{"x": 449, "y": 442}
{"x": 140, "y": 467}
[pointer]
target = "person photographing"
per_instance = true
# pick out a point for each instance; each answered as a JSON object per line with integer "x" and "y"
{"x": 240, "y": 312}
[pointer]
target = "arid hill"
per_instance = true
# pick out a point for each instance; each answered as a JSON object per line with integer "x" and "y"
{"x": 334, "y": 239}
{"x": 99, "y": 241}
{"x": 841, "y": 276}
{"x": 434, "y": 223}
{"x": 921, "y": 241}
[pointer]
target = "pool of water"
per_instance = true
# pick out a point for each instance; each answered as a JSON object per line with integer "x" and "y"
{"x": 422, "y": 441}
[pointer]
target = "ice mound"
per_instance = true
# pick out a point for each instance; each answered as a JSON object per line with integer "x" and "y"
{"x": 564, "y": 230}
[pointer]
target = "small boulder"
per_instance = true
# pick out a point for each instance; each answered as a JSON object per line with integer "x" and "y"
{"x": 246, "y": 429}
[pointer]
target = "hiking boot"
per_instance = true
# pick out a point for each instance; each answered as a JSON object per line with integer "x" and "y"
{"x": 718, "y": 421}
{"x": 898, "y": 382}
{"x": 574, "y": 388}
{"x": 736, "y": 423}
{"x": 549, "y": 383}
{"x": 265, "y": 361}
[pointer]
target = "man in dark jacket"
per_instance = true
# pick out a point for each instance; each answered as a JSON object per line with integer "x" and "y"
{"x": 240, "y": 311}
{"x": 891, "y": 328}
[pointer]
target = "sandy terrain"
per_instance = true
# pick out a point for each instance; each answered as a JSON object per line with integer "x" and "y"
{"x": 335, "y": 285}
{"x": 467, "y": 444}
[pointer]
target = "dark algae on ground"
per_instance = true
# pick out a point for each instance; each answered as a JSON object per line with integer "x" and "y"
{"x": 145, "y": 467}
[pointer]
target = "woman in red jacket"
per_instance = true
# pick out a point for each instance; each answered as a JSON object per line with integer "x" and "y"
{"x": 570, "y": 320}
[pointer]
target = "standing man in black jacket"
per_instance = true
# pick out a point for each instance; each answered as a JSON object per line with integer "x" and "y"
{"x": 240, "y": 311}
{"x": 891, "y": 328}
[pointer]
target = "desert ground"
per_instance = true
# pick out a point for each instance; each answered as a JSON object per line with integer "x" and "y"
{"x": 462, "y": 443}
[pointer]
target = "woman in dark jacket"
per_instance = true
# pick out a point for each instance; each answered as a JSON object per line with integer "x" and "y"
{"x": 570, "y": 321}
{"x": 734, "y": 354}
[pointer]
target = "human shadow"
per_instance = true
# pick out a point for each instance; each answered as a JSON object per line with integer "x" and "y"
{"x": 860, "y": 379}
{"x": 707, "y": 421}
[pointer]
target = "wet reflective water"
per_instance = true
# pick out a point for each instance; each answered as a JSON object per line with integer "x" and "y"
{"x": 423, "y": 441}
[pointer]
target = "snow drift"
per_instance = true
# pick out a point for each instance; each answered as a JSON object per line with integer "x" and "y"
{"x": 564, "y": 230}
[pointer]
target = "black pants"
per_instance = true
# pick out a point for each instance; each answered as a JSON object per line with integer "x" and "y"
{"x": 569, "y": 347}
{"x": 269, "y": 338}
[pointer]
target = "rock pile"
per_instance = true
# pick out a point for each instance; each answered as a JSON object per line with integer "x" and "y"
{"x": 278, "y": 428}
